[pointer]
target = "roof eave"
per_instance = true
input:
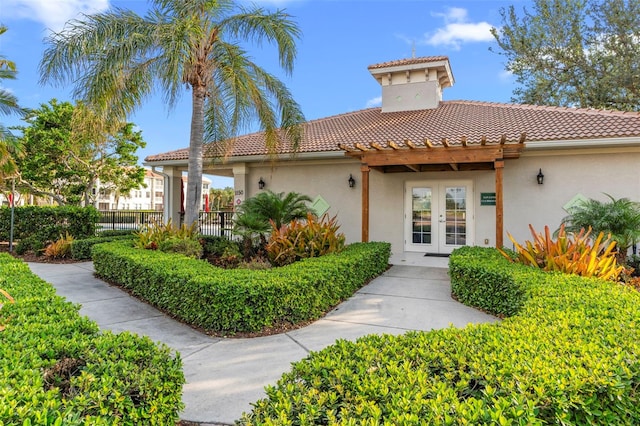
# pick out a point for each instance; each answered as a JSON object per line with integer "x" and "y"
{"x": 533, "y": 145}
{"x": 319, "y": 155}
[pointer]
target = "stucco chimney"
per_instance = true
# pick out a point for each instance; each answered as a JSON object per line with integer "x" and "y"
{"x": 412, "y": 84}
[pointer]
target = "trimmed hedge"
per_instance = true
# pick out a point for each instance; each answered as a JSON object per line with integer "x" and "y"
{"x": 480, "y": 277}
{"x": 230, "y": 301}
{"x": 81, "y": 249}
{"x": 116, "y": 232}
{"x": 570, "y": 354}
{"x": 56, "y": 368}
{"x": 48, "y": 223}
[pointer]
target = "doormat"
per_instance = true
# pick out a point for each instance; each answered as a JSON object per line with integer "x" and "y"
{"x": 436, "y": 255}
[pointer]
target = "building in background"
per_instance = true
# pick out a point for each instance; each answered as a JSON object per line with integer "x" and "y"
{"x": 149, "y": 196}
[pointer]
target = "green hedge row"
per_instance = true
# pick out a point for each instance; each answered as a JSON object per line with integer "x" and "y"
{"x": 570, "y": 355}
{"x": 480, "y": 277}
{"x": 56, "y": 368}
{"x": 48, "y": 223}
{"x": 229, "y": 301}
{"x": 81, "y": 249}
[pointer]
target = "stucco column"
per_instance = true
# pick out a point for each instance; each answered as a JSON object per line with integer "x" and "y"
{"x": 240, "y": 172}
{"x": 365, "y": 203}
{"x": 172, "y": 194}
{"x": 499, "y": 166}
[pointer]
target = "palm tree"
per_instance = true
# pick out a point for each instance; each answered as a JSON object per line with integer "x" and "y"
{"x": 117, "y": 58}
{"x": 620, "y": 218}
{"x": 9, "y": 145}
{"x": 279, "y": 208}
{"x": 255, "y": 215}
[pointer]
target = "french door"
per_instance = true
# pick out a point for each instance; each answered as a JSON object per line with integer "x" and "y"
{"x": 438, "y": 216}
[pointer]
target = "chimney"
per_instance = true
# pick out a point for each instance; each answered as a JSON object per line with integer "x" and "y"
{"x": 412, "y": 84}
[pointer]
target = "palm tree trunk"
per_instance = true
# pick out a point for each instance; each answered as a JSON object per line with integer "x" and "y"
{"x": 194, "y": 175}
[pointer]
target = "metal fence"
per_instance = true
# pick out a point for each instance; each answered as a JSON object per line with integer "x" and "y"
{"x": 127, "y": 219}
{"x": 210, "y": 223}
{"x": 216, "y": 223}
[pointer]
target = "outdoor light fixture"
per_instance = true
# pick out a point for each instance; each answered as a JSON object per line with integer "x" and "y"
{"x": 352, "y": 181}
{"x": 261, "y": 184}
{"x": 540, "y": 177}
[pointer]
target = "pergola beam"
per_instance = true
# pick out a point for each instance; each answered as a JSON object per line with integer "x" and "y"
{"x": 435, "y": 156}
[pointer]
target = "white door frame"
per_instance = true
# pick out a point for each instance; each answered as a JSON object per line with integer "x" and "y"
{"x": 438, "y": 243}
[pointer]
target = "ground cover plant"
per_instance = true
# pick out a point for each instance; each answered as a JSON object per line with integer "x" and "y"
{"x": 222, "y": 301}
{"x": 567, "y": 352}
{"x": 57, "y": 368}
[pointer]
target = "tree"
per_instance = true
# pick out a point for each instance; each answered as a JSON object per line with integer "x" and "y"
{"x": 117, "y": 58}
{"x": 620, "y": 218}
{"x": 221, "y": 198}
{"x": 9, "y": 146}
{"x": 60, "y": 161}
{"x": 575, "y": 53}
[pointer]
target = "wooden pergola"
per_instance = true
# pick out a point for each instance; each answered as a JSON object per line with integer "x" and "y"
{"x": 427, "y": 156}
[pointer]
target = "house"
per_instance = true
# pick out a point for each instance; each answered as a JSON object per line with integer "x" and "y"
{"x": 430, "y": 175}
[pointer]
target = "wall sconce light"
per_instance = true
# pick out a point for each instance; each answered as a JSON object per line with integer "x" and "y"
{"x": 352, "y": 181}
{"x": 540, "y": 177}
{"x": 261, "y": 184}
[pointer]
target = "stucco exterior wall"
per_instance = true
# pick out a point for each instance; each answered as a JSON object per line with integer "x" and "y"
{"x": 568, "y": 173}
{"x": 590, "y": 173}
{"x": 329, "y": 179}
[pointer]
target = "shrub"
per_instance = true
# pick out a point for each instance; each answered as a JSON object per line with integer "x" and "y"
{"x": 569, "y": 355}
{"x": 253, "y": 217}
{"x": 189, "y": 248}
{"x": 620, "y": 218}
{"x": 32, "y": 243}
{"x": 9, "y": 299}
{"x": 300, "y": 240}
{"x": 240, "y": 300}
{"x": 482, "y": 278}
{"x": 81, "y": 249}
{"x": 150, "y": 236}
{"x": 633, "y": 264}
{"x": 47, "y": 223}
{"x": 60, "y": 248}
{"x": 570, "y": 254}
{"x": 116, "y": 232}
{"x": 215, "y": 246}
{"x": 59, "y": 369}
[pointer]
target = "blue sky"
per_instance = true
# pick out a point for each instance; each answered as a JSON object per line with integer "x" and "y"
{"x": 340, "y": 39}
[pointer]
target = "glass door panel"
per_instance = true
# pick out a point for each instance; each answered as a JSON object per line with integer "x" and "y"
{"x": 456, "y": 215}
{"x": 421, "y": 216}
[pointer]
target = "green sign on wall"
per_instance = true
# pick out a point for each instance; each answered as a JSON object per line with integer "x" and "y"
{"x": 487, "y": 198}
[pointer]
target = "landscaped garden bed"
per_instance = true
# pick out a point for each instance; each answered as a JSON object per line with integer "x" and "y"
{"x": 57, "y": 368}
{"x": 231, "y": 301}
{"x": 567, "y": 352}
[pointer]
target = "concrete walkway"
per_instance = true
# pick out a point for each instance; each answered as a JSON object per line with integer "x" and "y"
{"x": 224, "y": 376}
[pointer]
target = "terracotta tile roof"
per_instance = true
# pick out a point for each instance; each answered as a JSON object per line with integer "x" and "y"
{"x": 409, "y": 61}
{"x": 451, "y": 120}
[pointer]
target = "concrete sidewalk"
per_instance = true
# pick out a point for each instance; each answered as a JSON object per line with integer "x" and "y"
{"x": 224, "y": 376}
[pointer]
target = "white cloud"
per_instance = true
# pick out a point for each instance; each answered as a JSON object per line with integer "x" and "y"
{"x": 458, "y": 30}
{"x": 374, "y": 102}
{"x": 505, "y": 75}
{"x": 53, "y": 14}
